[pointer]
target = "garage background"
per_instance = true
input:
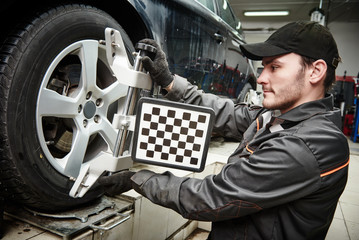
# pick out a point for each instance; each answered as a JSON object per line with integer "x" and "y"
{"x": 341, "y": 16}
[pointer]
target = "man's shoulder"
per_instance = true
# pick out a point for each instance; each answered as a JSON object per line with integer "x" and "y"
{"x": 325, "y": 139}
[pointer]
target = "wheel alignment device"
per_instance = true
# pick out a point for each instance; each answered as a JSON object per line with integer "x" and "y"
{"x": 136, "y": 79}
{"x": 183, "y": 130}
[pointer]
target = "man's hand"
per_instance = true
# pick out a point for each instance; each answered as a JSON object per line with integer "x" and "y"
{"x": 117, "y": 183}
{"x": 158, "y": 68}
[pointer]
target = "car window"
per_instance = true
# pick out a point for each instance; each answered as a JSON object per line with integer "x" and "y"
{"x": 207, "y": 3}
{"x": 225, "y": 11}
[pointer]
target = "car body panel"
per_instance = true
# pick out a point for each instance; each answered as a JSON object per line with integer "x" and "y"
{"x": 199, "y": 44}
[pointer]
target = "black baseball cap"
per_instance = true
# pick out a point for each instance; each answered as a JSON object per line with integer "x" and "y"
{"x": 306, "y": 38}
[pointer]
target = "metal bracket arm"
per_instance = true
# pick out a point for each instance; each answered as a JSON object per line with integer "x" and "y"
{"x": 118, "y": 60}
{"x": 91, "y": 171}
{"x": 121, "y": 122}
{"x": 136, "y": 79}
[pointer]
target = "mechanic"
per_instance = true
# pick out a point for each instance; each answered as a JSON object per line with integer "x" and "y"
{"x": 285, "y": 178}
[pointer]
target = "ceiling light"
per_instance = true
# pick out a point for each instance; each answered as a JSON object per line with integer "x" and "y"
{"x": 265, "y": 13}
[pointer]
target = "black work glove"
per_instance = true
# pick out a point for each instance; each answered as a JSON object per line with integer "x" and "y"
{"x": 158, "y": 68}
{"x": 117, "y": 183}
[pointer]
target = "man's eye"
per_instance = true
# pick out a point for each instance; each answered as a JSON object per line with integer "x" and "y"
{"x": 274, "y": 67}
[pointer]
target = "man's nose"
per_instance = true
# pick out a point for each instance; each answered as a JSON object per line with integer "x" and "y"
{"x": 262, "y": 79}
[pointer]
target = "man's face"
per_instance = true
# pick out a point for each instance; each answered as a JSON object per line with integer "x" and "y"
{"x": 283, "y": 82}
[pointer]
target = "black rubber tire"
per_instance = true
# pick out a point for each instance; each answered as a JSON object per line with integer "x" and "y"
{"x": 25, "y": 174}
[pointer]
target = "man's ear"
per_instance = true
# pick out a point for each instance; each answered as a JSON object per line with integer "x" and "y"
{"x": 318, "y": 71}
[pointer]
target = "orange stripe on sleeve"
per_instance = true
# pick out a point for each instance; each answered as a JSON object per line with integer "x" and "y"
{"x": 335, "y": 170}
{"x": 257, "y": 124}
{"x": 249, "y": 150}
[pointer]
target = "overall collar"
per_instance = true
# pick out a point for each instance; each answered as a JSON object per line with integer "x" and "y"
{"x": 309, "y": 109}
{"x": 273, "y": 120}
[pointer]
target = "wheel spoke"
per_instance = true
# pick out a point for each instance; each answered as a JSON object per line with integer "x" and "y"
{"x": 108, "y": 133}
{"x": 88, "y": 56}
{"x": 75, "y": 157}
{"x": 114, "y": 92}
{"x": 53, "y": 104}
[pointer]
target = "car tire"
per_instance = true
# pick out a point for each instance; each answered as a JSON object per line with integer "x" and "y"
{"x": 243, "y": 96}
{"x": 53, "y": 57}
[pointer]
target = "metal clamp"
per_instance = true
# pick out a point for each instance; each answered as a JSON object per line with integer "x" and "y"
{"x": 119, "y": 63}
{"x": 136, "y": 79}
{"x": 91, "y": 171}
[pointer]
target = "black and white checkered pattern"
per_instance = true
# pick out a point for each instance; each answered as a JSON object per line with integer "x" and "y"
{"x": 172, "y": 134}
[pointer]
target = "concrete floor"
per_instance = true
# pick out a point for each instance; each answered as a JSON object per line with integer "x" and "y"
{"x": 345, "y": 225}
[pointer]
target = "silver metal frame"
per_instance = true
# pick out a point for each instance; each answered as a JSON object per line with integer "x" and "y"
{"x": 136, "y": 79}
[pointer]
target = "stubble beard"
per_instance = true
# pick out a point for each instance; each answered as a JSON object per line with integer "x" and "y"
{"x": 286, "y": 98}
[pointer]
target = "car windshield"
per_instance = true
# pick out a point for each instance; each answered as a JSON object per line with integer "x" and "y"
{"x": 207, "y": 3}
{"x": 226, "y": 13}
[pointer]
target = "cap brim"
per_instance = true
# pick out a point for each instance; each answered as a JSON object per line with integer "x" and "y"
{"x": 257, "y": 51}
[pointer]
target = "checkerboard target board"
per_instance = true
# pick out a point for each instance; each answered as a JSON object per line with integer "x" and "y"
{"x": 172, "y": 134}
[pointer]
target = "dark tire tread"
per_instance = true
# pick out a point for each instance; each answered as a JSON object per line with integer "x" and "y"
{"x": 12, "y": 185}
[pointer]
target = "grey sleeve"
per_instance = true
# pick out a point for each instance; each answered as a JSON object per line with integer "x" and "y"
{"x": 270, "y": 177}
{"x": 231, "y": 120}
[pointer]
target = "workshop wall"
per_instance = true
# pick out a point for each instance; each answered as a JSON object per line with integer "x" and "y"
{"x": 345, "y": 34}
{"x": 347, "y": 37}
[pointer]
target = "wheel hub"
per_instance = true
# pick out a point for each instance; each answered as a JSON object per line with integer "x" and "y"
{"x": 89, "y": 109}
